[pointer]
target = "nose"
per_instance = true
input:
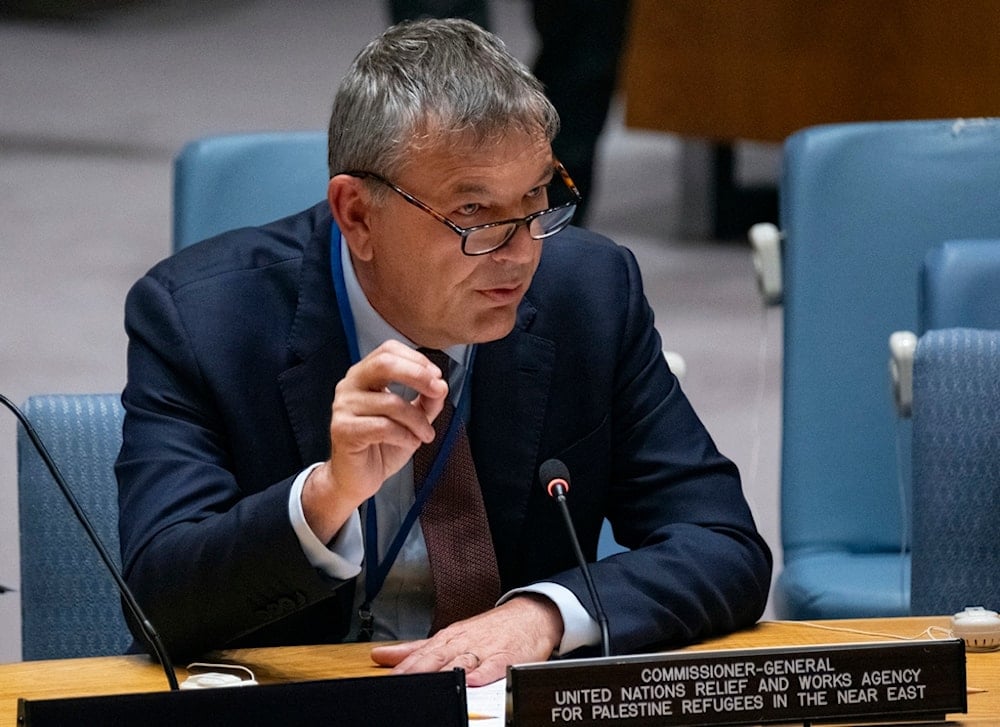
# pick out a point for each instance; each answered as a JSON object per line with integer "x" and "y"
{"x": 518, "y": 248}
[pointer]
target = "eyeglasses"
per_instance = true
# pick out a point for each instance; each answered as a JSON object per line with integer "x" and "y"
{"x": 484, "y": 239}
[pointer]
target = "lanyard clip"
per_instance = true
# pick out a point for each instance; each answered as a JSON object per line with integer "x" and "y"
{"x": 367, "y": 622}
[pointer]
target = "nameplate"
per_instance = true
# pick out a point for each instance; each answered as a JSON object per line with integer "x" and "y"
{"x": 874, "y": 681}
{"x": 411, "y": 700}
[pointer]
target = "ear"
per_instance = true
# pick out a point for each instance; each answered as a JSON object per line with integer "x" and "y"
{"x": 350, "y": 205}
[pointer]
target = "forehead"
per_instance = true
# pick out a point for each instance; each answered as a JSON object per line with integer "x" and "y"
{"x": 461, "y": 165}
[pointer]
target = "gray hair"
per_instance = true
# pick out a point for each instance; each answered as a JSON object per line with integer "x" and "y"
{"x": 421, "y": 81}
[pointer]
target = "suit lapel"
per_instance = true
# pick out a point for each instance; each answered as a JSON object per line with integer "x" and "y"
{"x": 318, "y": 341}
{"x": 511, "y": 385}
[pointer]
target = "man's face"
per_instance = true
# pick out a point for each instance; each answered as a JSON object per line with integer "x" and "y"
{"x": 416, "y": 275}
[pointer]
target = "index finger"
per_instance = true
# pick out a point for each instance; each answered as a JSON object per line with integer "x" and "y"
{"x": 392, "y": 654}
{"x": 396, "y": 363}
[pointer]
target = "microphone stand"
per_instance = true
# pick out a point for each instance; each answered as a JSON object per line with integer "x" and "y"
{"x": 602, "y": 618}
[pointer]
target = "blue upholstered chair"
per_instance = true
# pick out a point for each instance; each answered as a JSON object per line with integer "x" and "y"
{"x": 234, "y": 180}
{"x": 960, "y": 285}
{"x": 69, "y": 604}
{"x": 948, "y": 380}
{"x": 860, "y": 206}
{"x": 956, "y": 470}
{"x": 959, "y": 288}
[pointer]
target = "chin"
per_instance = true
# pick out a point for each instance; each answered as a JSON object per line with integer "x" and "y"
{"x": 493, "y": 327}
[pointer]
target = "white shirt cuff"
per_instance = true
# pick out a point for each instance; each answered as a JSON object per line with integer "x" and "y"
{"x": 340, "y": 559}
{"x": 579, "y": 629}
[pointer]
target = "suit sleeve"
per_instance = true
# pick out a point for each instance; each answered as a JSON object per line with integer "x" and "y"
{"x": 697, "y": 565}
{"x": 207, "y": 544}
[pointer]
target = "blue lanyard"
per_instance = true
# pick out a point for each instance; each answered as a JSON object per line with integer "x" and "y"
{"x": 377, "y": 571}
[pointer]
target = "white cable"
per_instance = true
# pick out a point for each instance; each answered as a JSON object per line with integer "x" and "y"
{"x": 215, "y": 679}
{"x": 903, "y": 475}
{"x": 927, "y": 633}
{"x": 755, "y": 426}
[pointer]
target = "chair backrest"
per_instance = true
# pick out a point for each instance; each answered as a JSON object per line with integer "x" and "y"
{"x": 235, "y": 180}
{"x": 960, "y": 285}
{"x": 861, "y": 204}
{"x": 69, "y": 603}
{"x": 956, "y": 470}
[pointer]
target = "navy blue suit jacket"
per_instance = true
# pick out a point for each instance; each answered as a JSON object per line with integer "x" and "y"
{"x": 235, "y": 346}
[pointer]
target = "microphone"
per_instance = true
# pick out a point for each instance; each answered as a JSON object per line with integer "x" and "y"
{"x": 126, "y": 593}
{"x": 554, "y": 475}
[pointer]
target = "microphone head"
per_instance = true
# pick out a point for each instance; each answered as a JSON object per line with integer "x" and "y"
{"x": 553, "y": 474}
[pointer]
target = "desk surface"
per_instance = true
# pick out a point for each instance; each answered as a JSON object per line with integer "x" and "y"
{"x": 121, "y": 674}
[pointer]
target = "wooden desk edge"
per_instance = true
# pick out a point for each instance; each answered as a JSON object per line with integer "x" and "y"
{"x": 129, "y": 674}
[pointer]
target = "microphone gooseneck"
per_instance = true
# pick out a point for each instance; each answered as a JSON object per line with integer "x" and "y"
{"x": 81, "y": 516}
{"x": 554, "y": 476}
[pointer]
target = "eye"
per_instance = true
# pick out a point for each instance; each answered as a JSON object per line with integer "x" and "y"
{"x": 469, "y": 209}
{"x": 538, "y": 197}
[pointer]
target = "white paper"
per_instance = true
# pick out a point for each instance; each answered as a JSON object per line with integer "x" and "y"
{"x": 487, "y": 705}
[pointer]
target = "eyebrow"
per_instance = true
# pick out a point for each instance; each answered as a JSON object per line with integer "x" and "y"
{"x": 475, "y": 188}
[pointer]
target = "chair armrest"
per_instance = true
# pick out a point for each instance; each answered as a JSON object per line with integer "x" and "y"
{"x": 765, "y": 241}
{"x": 676, "y": 363}
{"x": 902, "y": 345}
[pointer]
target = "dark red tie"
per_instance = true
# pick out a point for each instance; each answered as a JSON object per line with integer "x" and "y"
{"x": 459, "y": 547}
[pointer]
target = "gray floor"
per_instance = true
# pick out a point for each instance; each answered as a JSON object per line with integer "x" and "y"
{"x": 92, "y": 112}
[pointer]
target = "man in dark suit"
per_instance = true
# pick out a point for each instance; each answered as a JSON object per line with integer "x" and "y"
{"x": 284, "y": 385}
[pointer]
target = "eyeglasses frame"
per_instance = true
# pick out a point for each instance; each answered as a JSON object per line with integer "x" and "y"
{"x": 464, "y": 232}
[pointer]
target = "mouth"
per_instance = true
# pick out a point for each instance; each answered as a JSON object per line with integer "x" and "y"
{"x": 504, "y": 294}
